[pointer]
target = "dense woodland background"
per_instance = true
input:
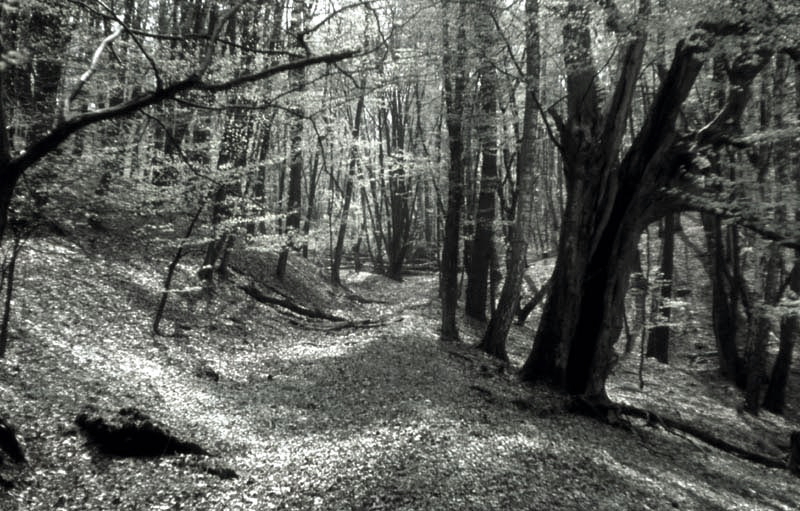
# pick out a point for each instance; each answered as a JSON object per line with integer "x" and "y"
{"x": 599, "y": 196}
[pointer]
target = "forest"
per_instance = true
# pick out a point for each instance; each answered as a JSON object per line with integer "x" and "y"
{"x": 384, "y": 255}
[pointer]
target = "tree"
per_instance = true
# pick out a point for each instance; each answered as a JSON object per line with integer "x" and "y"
{"x": 611, "y": 198}
{"x": 348, "y": 187}
{"x": 494, "y": 339}
{"x": 454, "y": 74}
{"x": 658, "y": 336}
{"x": 294, "y": 197}
{"x": 198, "y": 76}
{"x": 483, "y": 245}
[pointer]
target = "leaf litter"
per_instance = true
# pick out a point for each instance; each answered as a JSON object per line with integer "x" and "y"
{"x": 373, "y": 418}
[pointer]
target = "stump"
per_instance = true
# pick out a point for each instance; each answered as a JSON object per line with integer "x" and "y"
{"x": 131, "y": 433}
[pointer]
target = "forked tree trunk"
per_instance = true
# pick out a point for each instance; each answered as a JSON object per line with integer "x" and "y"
{"x": 608, "y": 203}
{"x": 582, "y": 317}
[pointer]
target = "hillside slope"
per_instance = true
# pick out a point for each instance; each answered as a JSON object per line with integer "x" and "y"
{"x": 315, "y": 417}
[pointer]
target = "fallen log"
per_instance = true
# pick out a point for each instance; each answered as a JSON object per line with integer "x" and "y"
{"x": 259, "y": 296}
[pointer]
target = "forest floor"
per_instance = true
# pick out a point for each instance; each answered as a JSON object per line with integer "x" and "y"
{"x": 315, "y": 414}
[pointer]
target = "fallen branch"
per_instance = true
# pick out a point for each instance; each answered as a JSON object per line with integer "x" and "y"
{"x": 362, "y": 323}
{"x": 524, "y": 312}
{"x": 257, "y": 295}
{"x": 360, "y": 299}
{"x": 605, "y": 410}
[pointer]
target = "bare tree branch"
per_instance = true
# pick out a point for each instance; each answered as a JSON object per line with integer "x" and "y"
{"x": 85, "y": 77}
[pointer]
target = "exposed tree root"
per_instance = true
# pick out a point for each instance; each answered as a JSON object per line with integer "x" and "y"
{"x": 286, "y": 303}
{"x": 611, "y": 412}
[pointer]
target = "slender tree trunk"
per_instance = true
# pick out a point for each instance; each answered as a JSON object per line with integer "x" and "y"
{"x": 297, "y": 80}
{"x": 348, "y": 189}
{"x": 775, "y": 397}
{"x": 724, "y": 303}
{"x": 478, "y": 272}
{"x": 8, "y": 275}
{"x": 453, "y": 62}
{"x": 173, "y": 265}
{"x": 494, "y": 339}
{"x": 757, "y": 352}
{"x": 639, "y": 291}
{"x": 313, "y": 179}
{"x": 658, "y": 339}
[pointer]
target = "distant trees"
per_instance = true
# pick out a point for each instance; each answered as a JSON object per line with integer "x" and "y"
{"x": 200, "y": 73}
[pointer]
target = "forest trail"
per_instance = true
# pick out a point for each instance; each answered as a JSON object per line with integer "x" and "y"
{"x": 379, "y": 417}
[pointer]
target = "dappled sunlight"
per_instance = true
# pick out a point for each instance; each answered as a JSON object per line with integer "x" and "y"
{"x": 373, "y": 417}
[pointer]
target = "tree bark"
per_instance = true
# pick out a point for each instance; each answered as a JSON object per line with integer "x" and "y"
{"x": 478, "y": 271}
{"x": 297, "y": 81}
{"x": 494, "y": 339}
{"x": 757, "y": 352}
{"x": 609, "y": 202}
{"x": 348, "y": 189}
{"x": 658, "y": 339}
{"x": 775, "y": 396}
{"x": 724, "y": 303}
{"x": 453, "y": 62}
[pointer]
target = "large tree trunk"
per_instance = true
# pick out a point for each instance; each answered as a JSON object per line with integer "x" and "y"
{"x": 494, "y": 339}
{"x": 600, "y": 227}
{"x": 582, "y": 317}
{"x": 609, "y": 203}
